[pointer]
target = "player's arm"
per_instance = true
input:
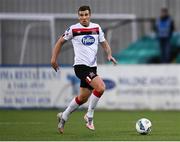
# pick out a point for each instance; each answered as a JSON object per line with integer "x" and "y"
{"x": 107, "y": 49}
{"x": 56, "y": 51}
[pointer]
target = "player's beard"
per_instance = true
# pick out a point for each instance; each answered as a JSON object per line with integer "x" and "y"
{"x": 85, "y": 23}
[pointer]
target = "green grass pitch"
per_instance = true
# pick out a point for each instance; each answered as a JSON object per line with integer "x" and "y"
{"x": 35, "y": 125}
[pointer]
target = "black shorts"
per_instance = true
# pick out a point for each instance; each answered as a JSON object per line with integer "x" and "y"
{"x": 85, "y": 74}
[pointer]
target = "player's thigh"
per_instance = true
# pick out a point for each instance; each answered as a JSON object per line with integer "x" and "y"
{"x": 84, "y": 93}
{"x": 98, "y": 84}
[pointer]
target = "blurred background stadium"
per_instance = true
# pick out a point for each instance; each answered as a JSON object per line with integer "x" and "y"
{"x": 29, "y": 30}
{"x": 30, "y": 37}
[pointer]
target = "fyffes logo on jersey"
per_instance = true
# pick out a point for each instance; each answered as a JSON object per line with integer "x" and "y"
{"x": 88, "y": 40}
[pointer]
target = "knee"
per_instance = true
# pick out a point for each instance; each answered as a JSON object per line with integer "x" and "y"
{"x": 99, "y": 91}
{"x": 101, "y": 88}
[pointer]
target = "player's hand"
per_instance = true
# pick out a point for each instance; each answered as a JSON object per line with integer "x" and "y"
{"x": 55, "y": 65}
{"x": 112, "y": 59}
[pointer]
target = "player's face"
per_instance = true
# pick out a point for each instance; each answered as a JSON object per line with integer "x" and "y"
{"x": 84, "y": 17}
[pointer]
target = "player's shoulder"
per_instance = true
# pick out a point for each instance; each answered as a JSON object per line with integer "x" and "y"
{"x": 94, "y": 24}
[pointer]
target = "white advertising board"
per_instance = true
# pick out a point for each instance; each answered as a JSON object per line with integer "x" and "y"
{"x": 142, "y": 87}
{"x": 127, "y": 87}
{"x": 29, "y": 87}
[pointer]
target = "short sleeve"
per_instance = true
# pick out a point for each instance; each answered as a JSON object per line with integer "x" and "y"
{"x": 68, "y": 34}
{"x": 101, "y": 35}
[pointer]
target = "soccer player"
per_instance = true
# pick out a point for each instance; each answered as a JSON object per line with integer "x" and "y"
{"x": 85, "y": 37}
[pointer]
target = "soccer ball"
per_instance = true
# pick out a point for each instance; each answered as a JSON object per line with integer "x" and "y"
{"x": 143, "y": 126}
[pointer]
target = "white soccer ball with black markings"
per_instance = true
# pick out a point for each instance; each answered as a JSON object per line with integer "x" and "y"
{"x": 143, "y": 126}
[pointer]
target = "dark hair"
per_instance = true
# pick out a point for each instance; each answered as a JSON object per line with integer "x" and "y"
{"x": 83, "y": 8}
{"x": 164, "y": 9}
